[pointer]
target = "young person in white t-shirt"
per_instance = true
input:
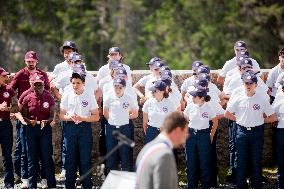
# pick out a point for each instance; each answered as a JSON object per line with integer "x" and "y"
{"x": 155, "y": 110}
{"x": 250, "y": 110}
{"x": 78, "y": 108}
{"x": 118, "y": 109}
{"x": 278, "y": 106}
{"x": 198, "y": 145}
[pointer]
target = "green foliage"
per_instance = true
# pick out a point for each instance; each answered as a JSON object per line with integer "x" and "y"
{"x": 178, "y": 31}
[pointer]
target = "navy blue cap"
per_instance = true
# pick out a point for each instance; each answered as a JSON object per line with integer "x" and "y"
{"x": 113, "y": 50}
{"x": 166, "y": 73}
{"x": 113, "y": 64}
{"x": 196, "y": 64}
{"x": 167, "y": 80}
{"x": 199, "y": 91}
{"x": 73, "y": 57}
{"x": 158, "y": 64}
{"x": 158, "y": 85}
{"x": 69, "y": 44}
{"x": 164, "y": 68}
{"x": 249, "y": 76}
{"x": 79, "y": 68}
{"x": 203, "y": 82}
{"x": 240, "y": 45}
{"x": 120, "y": 71}
{"x": 243, "y": 61}
{"x": 79, "y": 72}
{"x": 204, "y": 76}
{"x": 152, "y": 60}
{"x": 119, "y": 81}
{"x": 203, "y": 69}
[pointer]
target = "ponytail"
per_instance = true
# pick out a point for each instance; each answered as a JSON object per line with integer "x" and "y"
{"x": 207, "y": 98}
{"x": 166, "y": 94}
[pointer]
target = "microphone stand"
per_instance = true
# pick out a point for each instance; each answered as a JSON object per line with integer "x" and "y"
{"x": 102, "y": 159}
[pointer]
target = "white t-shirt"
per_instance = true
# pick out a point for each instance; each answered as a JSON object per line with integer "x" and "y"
{"x": 91, "y": 84}
{"x": 232, "y": 63}
{"x": 60, "y": 68}
{"x": 119, "y": 108}
{"x": 142, "y": 82}
{"x": 273, "y": 78}
{"x": 82, "y": 104}
{"x": 187, "y": 83}
{"x": 278, "y": 106}
{"x": 249, "y": 110}
{"x": 199, "y": 116}
{"x": 157, "y": 111}
{"x": 108, "y": 88}
{"x": 104, "y": 72}
{"x": 175, "y": 95}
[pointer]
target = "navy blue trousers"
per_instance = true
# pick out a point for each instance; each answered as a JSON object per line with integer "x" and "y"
{"x": 78, "y": 139}
{"x": 280, "y": 157}
{"x": 232, "y": 136}
{"x": 125, "y": 153}
{"x": 249, "y": 149}
{"x": 18, "y": 150}
{"x": 151, "y": 134}
{"x": 39, "y": 145}
{"x": 6, "y": 141}
{"x": 198, "y": 150}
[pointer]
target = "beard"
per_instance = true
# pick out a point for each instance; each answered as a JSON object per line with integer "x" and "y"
{"x": 31, "y": 67}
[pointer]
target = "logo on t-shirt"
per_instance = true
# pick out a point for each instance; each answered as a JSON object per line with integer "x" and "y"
{"x": 165, "y": 109}
{"x": 85, "y": 103}
{"x": 205, "y": 115}
{"x": 6, "y": 95}
{"x": 45, "y": 105}
{"x": 125, "y": 105}
{"x": 256, "y": 107}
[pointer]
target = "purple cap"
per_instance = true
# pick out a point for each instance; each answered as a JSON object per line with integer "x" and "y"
{"x": 152, "y": 60}
{"x": 203, "y": 69}
{"x": 113, "y": 50}
{"x": 69, "y": 44}
{"x": 203, "y": 82}
{"x": 119, "y": 81}
{"x": 240, "y": 45}
{"x": 196, "y": 64}
{"x": 158, "y": 85}
{"x": 249, "y": 76}
{"x": 199, "y": 91}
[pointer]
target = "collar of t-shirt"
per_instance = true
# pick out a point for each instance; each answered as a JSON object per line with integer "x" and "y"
{"x": 165, "y": 138}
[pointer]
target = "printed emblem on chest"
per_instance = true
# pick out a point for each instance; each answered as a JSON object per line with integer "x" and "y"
{"x": 125, "y": 105}
{"x": 205, "y": 115}
{"x": 256, "y": 107}
{"x": 6, "y": 95}
{"x": 45, "y": 105}
{"x": 85, "y": 103}
{"x": 165, "y": 109}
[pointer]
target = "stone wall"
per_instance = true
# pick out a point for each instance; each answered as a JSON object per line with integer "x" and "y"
{"x": 222, "y": 141}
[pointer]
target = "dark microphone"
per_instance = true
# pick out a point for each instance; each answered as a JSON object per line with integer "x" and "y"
{"x": 123, "y": 139}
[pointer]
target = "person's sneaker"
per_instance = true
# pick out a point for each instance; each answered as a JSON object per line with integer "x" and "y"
{"x": 44, "y": 183}
{"x": 17, "y": 179}
{"x": 62, "y": 174}
{"x": 25, "y": 184}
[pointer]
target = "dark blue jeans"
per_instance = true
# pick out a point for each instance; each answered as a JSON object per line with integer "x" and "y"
{"x": 24, "y": 156}
{"x": 6, "y": 141}
{"x": 39, "y": 145}
{"x": 249, "y": 149}
{"x": 232, "y": 133}
{"x": 280, "y": 157}
{"x": 18, "y": 150}
{"x": 151, "y": 133}
{"x": 125, "y": 153}
{"x": 78, "y": 139}
{"x": 198, "y": 149}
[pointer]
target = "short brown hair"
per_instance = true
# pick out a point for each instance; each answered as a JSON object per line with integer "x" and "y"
{"x": 174, "y": 120}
